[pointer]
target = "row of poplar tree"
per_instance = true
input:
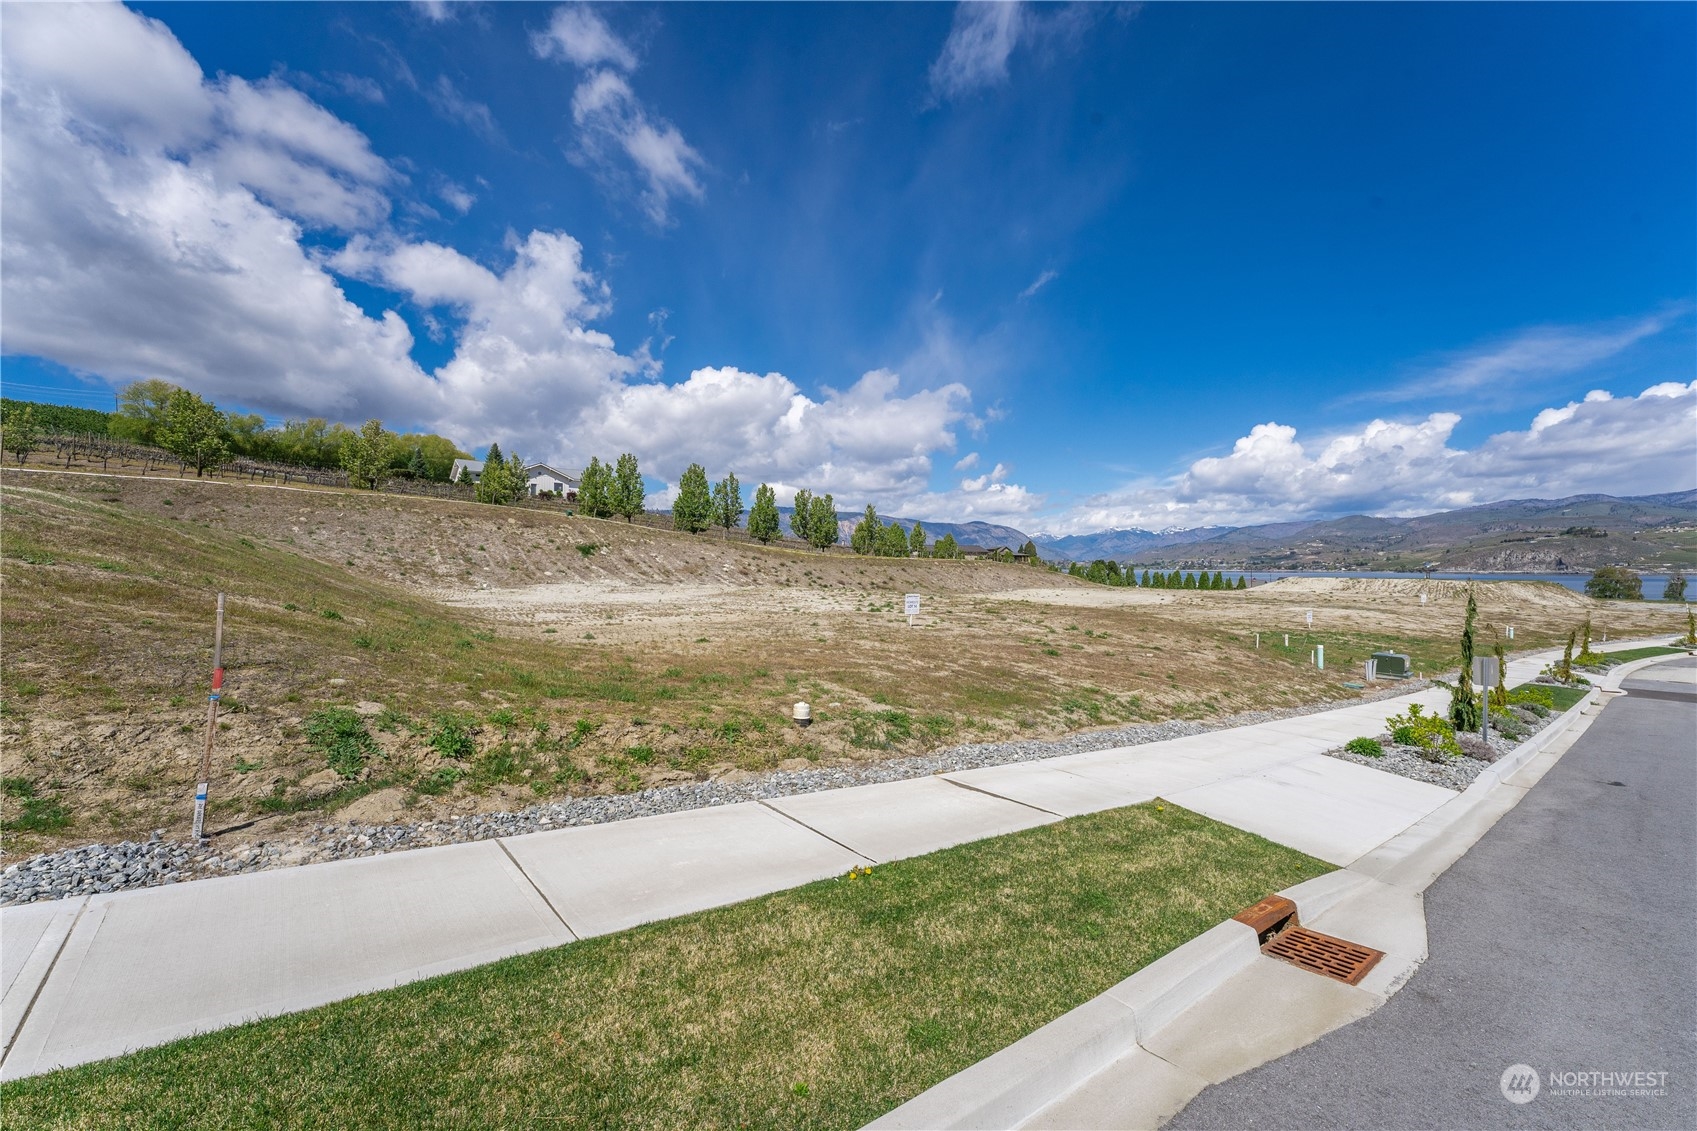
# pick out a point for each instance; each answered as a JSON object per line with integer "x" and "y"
{"x": 1107, "y": 572}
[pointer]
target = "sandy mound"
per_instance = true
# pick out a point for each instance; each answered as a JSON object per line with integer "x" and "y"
{"x": 1395, "y": 590}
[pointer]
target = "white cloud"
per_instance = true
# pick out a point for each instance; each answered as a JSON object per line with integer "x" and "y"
{"x": 630, "y": 149}
{"x": 577, "y": 33}
{"x": 1529, "y": 356}
{"x": 976, "y": 53}
{"x": 456, "y": 196}
{"x": 967, "y": 462}
{"x": 1039, "y": 283}
{"x": 447, "y": 101}
{"x": 436, "y": 11}
{"x": 1643, "y": 444}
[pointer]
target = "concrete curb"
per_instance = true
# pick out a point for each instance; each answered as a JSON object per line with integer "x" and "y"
{"x": 1036, "y": 1080}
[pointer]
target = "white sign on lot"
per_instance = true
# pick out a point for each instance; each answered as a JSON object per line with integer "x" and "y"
{"x": 912, "y": 604}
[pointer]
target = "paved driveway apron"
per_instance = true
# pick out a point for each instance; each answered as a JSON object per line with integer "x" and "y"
{"x": 1566, "y": 940}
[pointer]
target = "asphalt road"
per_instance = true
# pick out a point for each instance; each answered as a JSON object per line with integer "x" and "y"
{"x": 1566, "y": 940}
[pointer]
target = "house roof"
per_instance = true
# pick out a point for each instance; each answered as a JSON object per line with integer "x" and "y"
{"x": 534, "y": 469}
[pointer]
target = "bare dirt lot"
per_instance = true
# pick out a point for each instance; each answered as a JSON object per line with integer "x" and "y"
{"x": 416, "y": 657}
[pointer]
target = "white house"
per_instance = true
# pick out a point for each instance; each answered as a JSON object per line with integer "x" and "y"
{"x": 540, "y": 479}
{"x": 545, "y": 480}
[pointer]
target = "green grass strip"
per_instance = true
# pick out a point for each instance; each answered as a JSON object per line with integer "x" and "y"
{"x": 819, "y": 1007}
{"x": 1630, "y": 654}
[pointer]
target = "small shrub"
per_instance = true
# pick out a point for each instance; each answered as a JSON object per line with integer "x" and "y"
{"x": 451, "y": 736}
{"x": 340, "y": 735}
{"x": 1367, "y": 747}
{"x": 330, "y": 614}
{"x": 641, "y": 755}
{"x": 1531, "y": 695}
{"x": 1476, "y": 748}
{"x": 1429, "y": 733}
{"x": 587, "y": 549}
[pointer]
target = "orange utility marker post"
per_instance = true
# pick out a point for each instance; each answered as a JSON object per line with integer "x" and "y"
{"x": 211, "y": 723}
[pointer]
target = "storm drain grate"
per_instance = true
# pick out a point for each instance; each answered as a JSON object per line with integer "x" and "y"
{"x": 1323, "y": 954}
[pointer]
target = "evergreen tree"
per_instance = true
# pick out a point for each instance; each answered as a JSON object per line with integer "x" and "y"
{"x": 625, "y": 494}
{"x": 416, "y": 468}
{"x": 864, "y": 540}
{"x": 801, "y": 513}
{"x": 822, "y": 526}
{"x": 465, "y": 477}
{"x": 192, "y": 429}
{"x": 946, "y": 548}
{"x": 892, "y": 541}
{"x": 727, "y": 502}
{"x": 1464, "y": 705}
{"x": 1564, "y": 669}
{"x": 692, "y": 510}
{"x": 1148, "y": 582}
{"x": 1243, "y": 581}
{"x": 1219, "y": 581}
{"x": 1030, "y": 552}
{"x": 1674, "y": 590}
{"x": 594, "y": 494}
{"x": 916, "y": 540}
{"x": 763, "y": 516}
{"x": 492, "y": 484}
{"x": 367, "y": 454}
{"x": 1189, "y": 581}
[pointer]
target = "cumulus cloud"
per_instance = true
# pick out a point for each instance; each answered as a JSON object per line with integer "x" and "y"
{"x": 1641, "y": 444}
{"x": 628, "y": 147}
{"x": 158, "y": 226}
{"x": 456, "y": 196}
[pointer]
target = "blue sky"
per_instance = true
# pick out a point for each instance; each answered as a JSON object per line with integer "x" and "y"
{"x": 1069, "y": 267}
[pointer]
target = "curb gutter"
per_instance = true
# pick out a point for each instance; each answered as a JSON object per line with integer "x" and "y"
{"x": 1135, "y": 1055}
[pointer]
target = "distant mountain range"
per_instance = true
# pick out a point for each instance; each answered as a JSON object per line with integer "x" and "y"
{"x": 1580, "y": 532}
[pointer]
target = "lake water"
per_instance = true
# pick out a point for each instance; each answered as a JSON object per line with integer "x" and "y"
{"x": 1653, "y": 582}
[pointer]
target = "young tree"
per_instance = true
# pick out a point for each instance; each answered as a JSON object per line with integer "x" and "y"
{"x": 727, "y": 502}
{"x": 19, "y": 433}
{"x": 415, "y": 466}
{"x": 1464, "y": 705}
{"x": 946, "y": 548}
{"x": 518, "y": 478}
{"x": 822, "y": 526}
{"x": 594, "y": 490}
{"x": 1219, "y": 581}
{"x": 692, "y": 510}
{"x": 916, "y": 540}
{"x": 366, "y": 457}
{"x": 801, "y": 513}
{"x": 1499, "y": 693}
{"x": 626, "y": 493}
{"x": 1690, "y": 627}
{"x": 1189, "y": 581}
{"x": 763, "y": 516}
{"x": 892, "y": 541}
{"x": 192, "y": 429}
{"x": 864, "y": 540}
{"x": 1030, "y": 552}
{"x": 1564, "y": 669}
{"x": 465, "y": 479}
{"x": 491, "y": 485}
{"x": 1147, "y": 580}
{"x": 1243, "y": 581}
{"x": 1674, "y": 590}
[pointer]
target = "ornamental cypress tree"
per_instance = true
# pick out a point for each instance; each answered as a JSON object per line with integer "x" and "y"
{"x": 1464, "y": 705}
{"x": 822, "y": 526}
{"x": 692, "y": 510}
{"x": 763, "y": 516}
{"x": 802, "y": 514}
{"x": 625, "y": 492}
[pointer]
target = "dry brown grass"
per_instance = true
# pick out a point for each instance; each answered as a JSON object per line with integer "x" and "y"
{"x": 658, "y": 657}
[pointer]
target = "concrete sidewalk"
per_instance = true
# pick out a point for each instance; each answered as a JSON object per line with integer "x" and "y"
{"x": 97, "y": 976}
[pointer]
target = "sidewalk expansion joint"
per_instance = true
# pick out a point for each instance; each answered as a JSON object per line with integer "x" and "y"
{"x": 542, "y": 895}
{"x": 1001, "y": 797}
{"x": 816, "y": 832}
{"x": 47, "y": 976}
